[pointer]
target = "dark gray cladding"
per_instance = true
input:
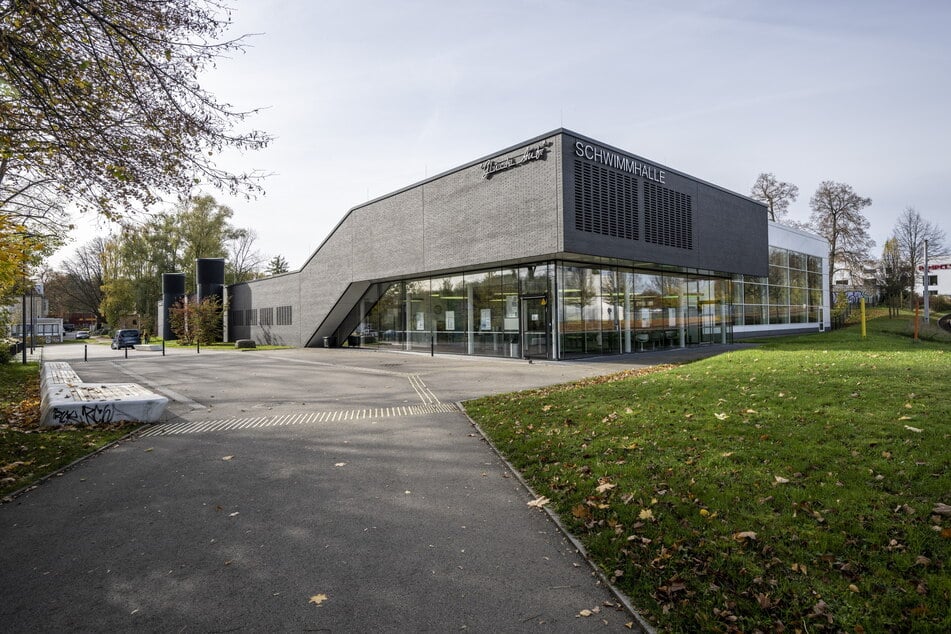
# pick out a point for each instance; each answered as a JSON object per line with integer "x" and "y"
{"x": 622, "y": 206}
{"x": 209, "y": 277}
{"x": 173, "y": 284}
{"x": 173, "y": 291}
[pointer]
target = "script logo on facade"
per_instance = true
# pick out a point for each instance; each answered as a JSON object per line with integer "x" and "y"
{"x": 534, "y": 153}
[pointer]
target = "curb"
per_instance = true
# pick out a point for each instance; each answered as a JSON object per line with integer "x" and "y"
{"x": 620, "y": 596}
{"x": 10, "y": 497}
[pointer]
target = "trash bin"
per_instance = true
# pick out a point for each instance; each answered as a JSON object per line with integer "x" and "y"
{"x": 353, "y": 341}
{"x": 329, "y": 342}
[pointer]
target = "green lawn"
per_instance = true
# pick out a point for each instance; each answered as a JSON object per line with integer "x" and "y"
{"x": 787, "y": 486}
{"x": 27, "y": 452}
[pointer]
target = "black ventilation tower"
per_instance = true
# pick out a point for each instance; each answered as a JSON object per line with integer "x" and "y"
{"x": 173, "y": 291}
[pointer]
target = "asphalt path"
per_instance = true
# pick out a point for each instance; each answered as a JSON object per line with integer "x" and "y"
{"x": 299, "y": 490}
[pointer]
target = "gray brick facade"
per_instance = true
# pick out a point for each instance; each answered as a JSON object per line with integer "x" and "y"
{"x": 461, "y": 219}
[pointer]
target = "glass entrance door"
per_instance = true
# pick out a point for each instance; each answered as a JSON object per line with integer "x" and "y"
{"x": 535, "y": 327}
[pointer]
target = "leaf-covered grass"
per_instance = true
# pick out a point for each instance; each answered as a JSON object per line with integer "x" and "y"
{"x": 28, "y": 452}
{"x": 791, "y": 486}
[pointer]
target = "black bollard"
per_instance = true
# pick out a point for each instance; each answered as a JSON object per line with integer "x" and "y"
{"x": 85, "y": 352}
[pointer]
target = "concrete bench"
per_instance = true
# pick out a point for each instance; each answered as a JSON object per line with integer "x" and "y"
{"x": 66, "y": 400}
{"x": 57, "y": 372}
{"x": 151, "y": 347}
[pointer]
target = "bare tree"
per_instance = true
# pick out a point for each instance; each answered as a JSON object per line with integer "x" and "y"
{"x": 775, "y": 194}
{"x": 77, "y": 286}
{"x": 911, "y": 231}
{"x": 837, "y": 216}
{"x": 244, "y": 261}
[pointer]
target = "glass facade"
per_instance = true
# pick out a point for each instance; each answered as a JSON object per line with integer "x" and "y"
{"x": 550, "y": 310}
{"x": 790, "y": 294}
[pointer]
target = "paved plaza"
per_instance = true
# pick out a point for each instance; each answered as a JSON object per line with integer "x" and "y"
{"x": 299, "y": 490}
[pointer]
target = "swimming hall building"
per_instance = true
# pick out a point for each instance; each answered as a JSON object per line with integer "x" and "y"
{"x": 558, "y": 247}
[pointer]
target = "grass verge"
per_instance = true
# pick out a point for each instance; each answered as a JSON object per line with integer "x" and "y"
{"x": 29, "y": 452}
{"x": 218, "y": 345}
{"x": 795, "y": 486}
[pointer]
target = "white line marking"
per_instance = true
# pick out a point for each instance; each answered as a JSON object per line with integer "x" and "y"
{"x": 229, "y": 424}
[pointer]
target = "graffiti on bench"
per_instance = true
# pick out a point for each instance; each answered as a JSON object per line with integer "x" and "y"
{"x": 88, "y": 415}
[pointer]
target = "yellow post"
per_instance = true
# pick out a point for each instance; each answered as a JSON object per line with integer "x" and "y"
{"x": 862, "y": 306}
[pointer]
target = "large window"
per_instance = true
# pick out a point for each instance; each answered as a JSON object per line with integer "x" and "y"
{"x": 508, "y": 312}
{"x": 475, "y": 312}
{"x": 790, "y": 294}
{"x": 619, "y": 310}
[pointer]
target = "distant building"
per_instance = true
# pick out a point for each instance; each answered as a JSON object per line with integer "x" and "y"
{"x": 858, "y": 282}
{"x": 939, "y": 277}
{"x": 36, "y": 308}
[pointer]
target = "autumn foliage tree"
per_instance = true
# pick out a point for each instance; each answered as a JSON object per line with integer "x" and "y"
{"x": 101, "y": 107}
{"x": 196, "y": 322}
{"x": 170, "y": 242}
{"x": 892, "y": 276}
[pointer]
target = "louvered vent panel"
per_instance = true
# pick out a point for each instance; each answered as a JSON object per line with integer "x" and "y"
{"x": 668, "y": 217}
{"x": 605, "y": 201}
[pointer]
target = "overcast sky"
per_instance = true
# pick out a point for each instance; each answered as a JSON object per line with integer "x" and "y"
{"x": 364, "y": 98}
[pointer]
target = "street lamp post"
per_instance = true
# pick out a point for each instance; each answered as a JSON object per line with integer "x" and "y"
{"x": 23, "y": 327}
{"x": 925, "y": 286}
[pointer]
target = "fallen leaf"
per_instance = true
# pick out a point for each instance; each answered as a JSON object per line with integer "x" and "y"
{"x": 149, "y": 449}
{"x": 585, "y": 613}
{"x": 605, "y": 486}
{"x": 744, "y": 535}
{"x": 941, "y": 509}
{"x": 580, "y": 511}
{"x": 233, "y": 514}
{"x": 853, "y": 587}
{"x": 751, "y": 411}
{"x": 780, "y": 480}
{"x": 914, "y": 429}
{"x": 539, "y": 502}
{"x": 340, "y": 464}
{"x": 318, "y": 599}
{"x": 904, "y": 418}
{"x": 227, "y": 457}
{"x": 721, "y": 416}
{"x": 646, "y": 514}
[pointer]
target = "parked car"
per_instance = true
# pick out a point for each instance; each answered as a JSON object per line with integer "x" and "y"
{"x": 82, "y": 334}
{"x": 126, "y": 338}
